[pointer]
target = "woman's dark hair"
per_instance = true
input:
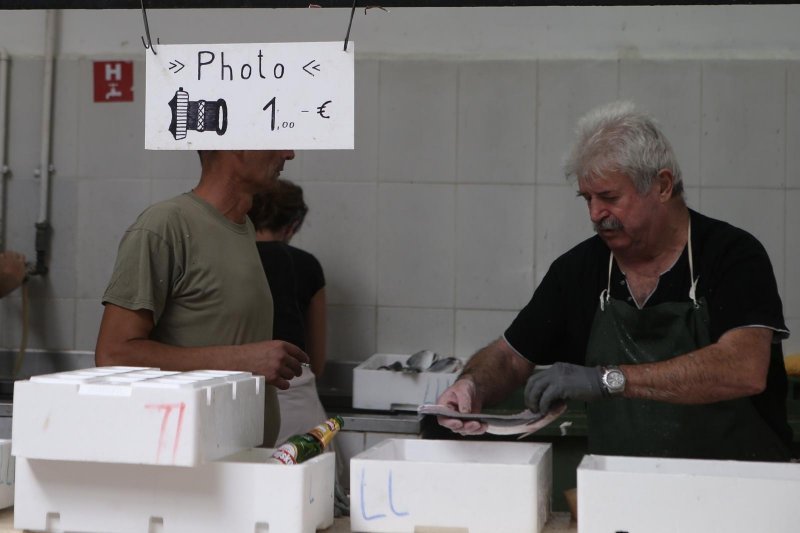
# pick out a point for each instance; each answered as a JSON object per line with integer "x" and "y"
{"x": 282, "y": 205}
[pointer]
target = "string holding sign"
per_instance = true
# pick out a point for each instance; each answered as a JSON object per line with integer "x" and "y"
{"x": 350, "y": 24}
{"x": 149, "y": 44}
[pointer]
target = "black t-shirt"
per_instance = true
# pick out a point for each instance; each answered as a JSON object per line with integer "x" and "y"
{"x": 735, "y": 278}
{"x": 294, "y": 277}
{"x": 309, "y": 275}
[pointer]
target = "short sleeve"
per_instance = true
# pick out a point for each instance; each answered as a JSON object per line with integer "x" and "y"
{"x": 142, "y": 275}
{"x": 743, "y": 291}
{"x": 537, "y": 331}
{"x": 315, "y": 275}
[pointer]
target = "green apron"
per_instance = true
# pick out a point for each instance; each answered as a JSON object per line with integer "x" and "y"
{"x": 621, "y": 334}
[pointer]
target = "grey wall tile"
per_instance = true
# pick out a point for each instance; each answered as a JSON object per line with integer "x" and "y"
{"x": 101, "y": 228}
{"x": 404, "y": 330}
{"x": 791, "y": 346}
{"x": 51, "y": 325}
{"x": 477, "y": 328}
{"x": 339, "y": 230}
{"x": 24, "y": 135}
{"x": 174, "y": 164}
{"x": 361, "y": 163}
{"x": 88, "y": 313}
{"x": 793, "y": 125}
{"x": 692, "y": 197}
{"x": 351, "y": 332}
{"x": 66, "y": 104}
{"x": 758, "y": 211}
{"x": 496, "y": 122}
{"x": 111, "y": 135}
{"x": 567, "y": 90}
{"x": 22, "y": 211}
{"x": 791, "y": 294}
{"x": 670, "y": 92}
{"x": 562, "y": 221}
{"x": 164, "y": 189}
{"x": 417, "y": 131}
{"x": 416, "y": 234}
{"x": 494, "y": 256}
{"x": 744, "y": 107}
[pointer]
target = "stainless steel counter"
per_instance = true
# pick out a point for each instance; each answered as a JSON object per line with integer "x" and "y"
{"x": 369, "y": 422}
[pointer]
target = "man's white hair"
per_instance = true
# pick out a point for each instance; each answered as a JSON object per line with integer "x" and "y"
{"x": 617, "y": 137}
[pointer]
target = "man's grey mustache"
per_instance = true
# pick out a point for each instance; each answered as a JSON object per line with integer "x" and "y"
{"x": 607, "y": 223}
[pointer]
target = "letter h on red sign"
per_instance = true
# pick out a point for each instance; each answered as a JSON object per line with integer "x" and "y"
{"x": 113, "y": 81}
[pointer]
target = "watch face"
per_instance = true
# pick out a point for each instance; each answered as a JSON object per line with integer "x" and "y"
{"x": 615, "y": 379}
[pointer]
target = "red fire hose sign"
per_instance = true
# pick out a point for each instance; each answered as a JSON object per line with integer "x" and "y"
{"x": 113, "y": 81}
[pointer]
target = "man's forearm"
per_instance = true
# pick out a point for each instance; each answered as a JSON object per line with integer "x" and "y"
{"x": 150, "y": 353}
{"x": 496, "y": 371}
{"x": 734, "y": 367}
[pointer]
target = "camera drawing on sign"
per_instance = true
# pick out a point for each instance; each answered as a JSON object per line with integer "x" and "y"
{"x": 198, "y": 115}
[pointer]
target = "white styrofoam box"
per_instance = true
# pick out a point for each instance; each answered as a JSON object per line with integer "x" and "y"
{"x": 657, "y": 495}
{"x": 137, "y": 415}
{"x": 385, "y": 389}
{"x": 238, "y": 494}
{"x": 6, "y": 474}
{"x": 402, "y": 485}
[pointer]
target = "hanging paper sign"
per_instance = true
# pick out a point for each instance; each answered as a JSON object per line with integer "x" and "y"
{"x": 272, "y": 96}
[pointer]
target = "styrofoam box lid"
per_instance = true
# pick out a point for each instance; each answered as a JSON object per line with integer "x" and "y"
{"x": 403, "y": 485}
{"x": 385, "y": 389}
{"x": 687, "y": 495}
{"x": 137, "y": 415}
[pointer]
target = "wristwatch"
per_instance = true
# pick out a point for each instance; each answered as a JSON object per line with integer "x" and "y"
{"x": 613, "y": 380}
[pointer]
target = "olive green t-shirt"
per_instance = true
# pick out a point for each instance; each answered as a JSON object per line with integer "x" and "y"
{"x": 201, "y": 276}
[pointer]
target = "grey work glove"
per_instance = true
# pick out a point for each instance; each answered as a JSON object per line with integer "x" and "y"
{"x": 561, "y": 382}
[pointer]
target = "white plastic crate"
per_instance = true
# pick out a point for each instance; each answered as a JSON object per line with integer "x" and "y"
{"x": 238, "y": 494}
{"x": 406, "y": 485}
{"x": 6, "y": 474}
{"x": 385, "y": 389}
{"x": 639, "y": 494}
{"x": 137, "y": 415}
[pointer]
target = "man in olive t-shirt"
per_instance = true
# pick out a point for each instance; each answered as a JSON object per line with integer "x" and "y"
{"x": 188, "y": 291}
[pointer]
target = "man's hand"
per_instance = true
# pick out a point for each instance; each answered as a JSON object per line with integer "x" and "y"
{"x": 461, "y": 396}
{"x": 278, "y": 362}
{"x": 561, "y": 382}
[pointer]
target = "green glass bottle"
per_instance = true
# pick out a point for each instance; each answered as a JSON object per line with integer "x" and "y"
{"x": 299, "y": 448}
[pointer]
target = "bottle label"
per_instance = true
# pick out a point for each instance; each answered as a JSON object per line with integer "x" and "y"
{"x": 325, "y": 431}
{"x": 286, "y": 454}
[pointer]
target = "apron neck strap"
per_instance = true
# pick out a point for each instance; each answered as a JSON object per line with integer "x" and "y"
{"x": 605, "y": 296}
{"x": 693, "y": 287}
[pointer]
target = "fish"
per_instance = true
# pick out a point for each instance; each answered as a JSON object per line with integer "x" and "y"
{"x": 523, "y": 423}
{"x": 394, "y": 367}
{"x": 420, "y": 361}
{"x": 446, "y": 365}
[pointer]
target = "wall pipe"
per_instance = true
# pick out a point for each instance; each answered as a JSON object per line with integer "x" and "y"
{"x": 3, "y": 168}
{"x": 45, "y": 168}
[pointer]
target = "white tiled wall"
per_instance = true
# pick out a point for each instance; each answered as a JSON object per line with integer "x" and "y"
{"x": 434, "y": 231}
